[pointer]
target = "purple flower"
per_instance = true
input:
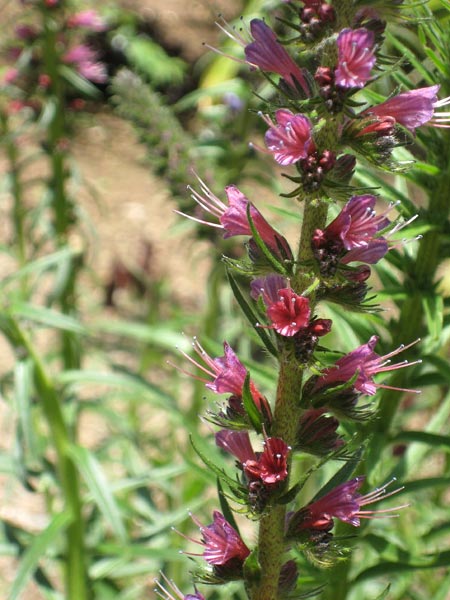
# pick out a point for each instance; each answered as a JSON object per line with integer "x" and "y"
{"x": 269, "y": 466}
{"x": 365, "y": 364}
{"x": 290, "y": 139}
{"x": 344, "y": 503}
{"x": 172, "y": 592}
{"x": 355, "y": 57}
{"x": 227, "y": 373}
{"x": 88, "y": 19}
{"x": 85, "y": 61}
{"x": 268, "y": 287}
{"x": 353, "y": 235}
{"x": 222, "y": 543}
{"x": 264, "y": 52}
{"x": 413, "y": 108}
{"x": 290, "y": 313}
{"x": 357, "y": 223}
{"x": 233, "y": 219}
{"x": 269, "y": 55}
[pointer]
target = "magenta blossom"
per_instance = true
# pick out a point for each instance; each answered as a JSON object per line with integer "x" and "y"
{"x": 85, "y": 61}
{"x": 87, "y": 19}
{"x": 227, "y": 373}
{"x": 265, "y": 52}
{"x": 357, "y": 223}
{"x": 413, "y": 108}
{"x": 353, "y": 235}
{"x": 290, "y": 139}
{"x": 222, "y": 543}
{"x": 344, "y": 503}
{"x": 365, "y": 364}
{"x": 172, "y": 592}
{"x": 269, "y": 466}
{"x": 290, "y": 313}
{"x": 269, "y": 55}
{"x": 233, "y": 219}
{"x": 355, "y": 57}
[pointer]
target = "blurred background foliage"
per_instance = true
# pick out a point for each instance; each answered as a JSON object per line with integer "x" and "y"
{"x": 93, "y": 339}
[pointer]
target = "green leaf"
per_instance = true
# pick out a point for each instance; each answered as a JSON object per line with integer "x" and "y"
{"x": 423, "y": 437}
{"x": 433, "y": 306}
{"x": 271, "y": 259}
{"x": 432, "y": 561}
{"x": 218, "y": 472}
{"x": 384, "y": 593}
{"x": 226, "y": 510}
{"x": 251, "y": 316}
{"x": 46, "y": 316}
{"x": 99, "y": 487}
{"x": 156, "y": 335}
{"x": 343, "y": 475}
{"x": 78, "y": 82}
{"x": 57, "y": 259}
{"x": 130, "y": 384}
{"x": 152, "y": 61}
{"x": 250, "y": 407}
{"x": 30, "y": 560}
{"x": 23, "y": 391}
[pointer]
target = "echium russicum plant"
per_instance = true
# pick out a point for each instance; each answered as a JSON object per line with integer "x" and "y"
{"x": 319, "y": 124}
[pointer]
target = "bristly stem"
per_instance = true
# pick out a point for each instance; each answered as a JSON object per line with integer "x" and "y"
{"x": 75, "y": 567}
{"x": 288, "y": 409}
{"x": 61, "y": 204}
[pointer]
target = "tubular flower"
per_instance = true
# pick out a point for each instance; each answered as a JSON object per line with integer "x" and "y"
{"x": 268, "y": 287}
{"x": 352, "y": 236}
{"x": 172, "y": 592}
{"x": 365, "y": 364}
{"x": 88, "y": 19}
{"x": 290, "y": 139}
{"x": 344, "y": 503}
{"x": 227, "y": 373}
{"x": 355, "y": 57}
{"x": 290, "y": 313}
{"x": 265, "y": 52}
{"x": 269, "y": 466}
{"x": 233, "y": 219}
{"x": 223, "y": 545}
{"x": 269, "y": 55}
{"x": 85, "y": 61}
{"x": 413, "y": 108}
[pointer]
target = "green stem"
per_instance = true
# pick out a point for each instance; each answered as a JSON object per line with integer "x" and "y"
{"x": 61, "y": 205}
{"x": 75, "y": 568}
{"x": 76, "y": 575}
{"x": 288, "y": 409}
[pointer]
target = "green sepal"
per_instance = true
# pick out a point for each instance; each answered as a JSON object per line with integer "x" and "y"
{"x": 252, "y": 569}
{"x": 251, "y": 409}
{"x": 220, "y": 473}
{"x": 272, "y": 260}
{"x": 252, "y": 316}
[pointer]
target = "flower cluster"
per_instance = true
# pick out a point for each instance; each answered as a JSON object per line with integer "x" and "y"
{"x": 33, "y": 74}
{"x": 318, "y": 135}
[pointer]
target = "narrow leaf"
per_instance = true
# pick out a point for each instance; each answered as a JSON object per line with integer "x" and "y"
{"x": 34, "y": 553}
{"x": 251, "y": 316}
{"x": 250, "y": 407}
{"x": 99, "y": 487}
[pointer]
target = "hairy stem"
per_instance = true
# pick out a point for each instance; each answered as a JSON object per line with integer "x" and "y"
{"x": 288, "y": 409}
